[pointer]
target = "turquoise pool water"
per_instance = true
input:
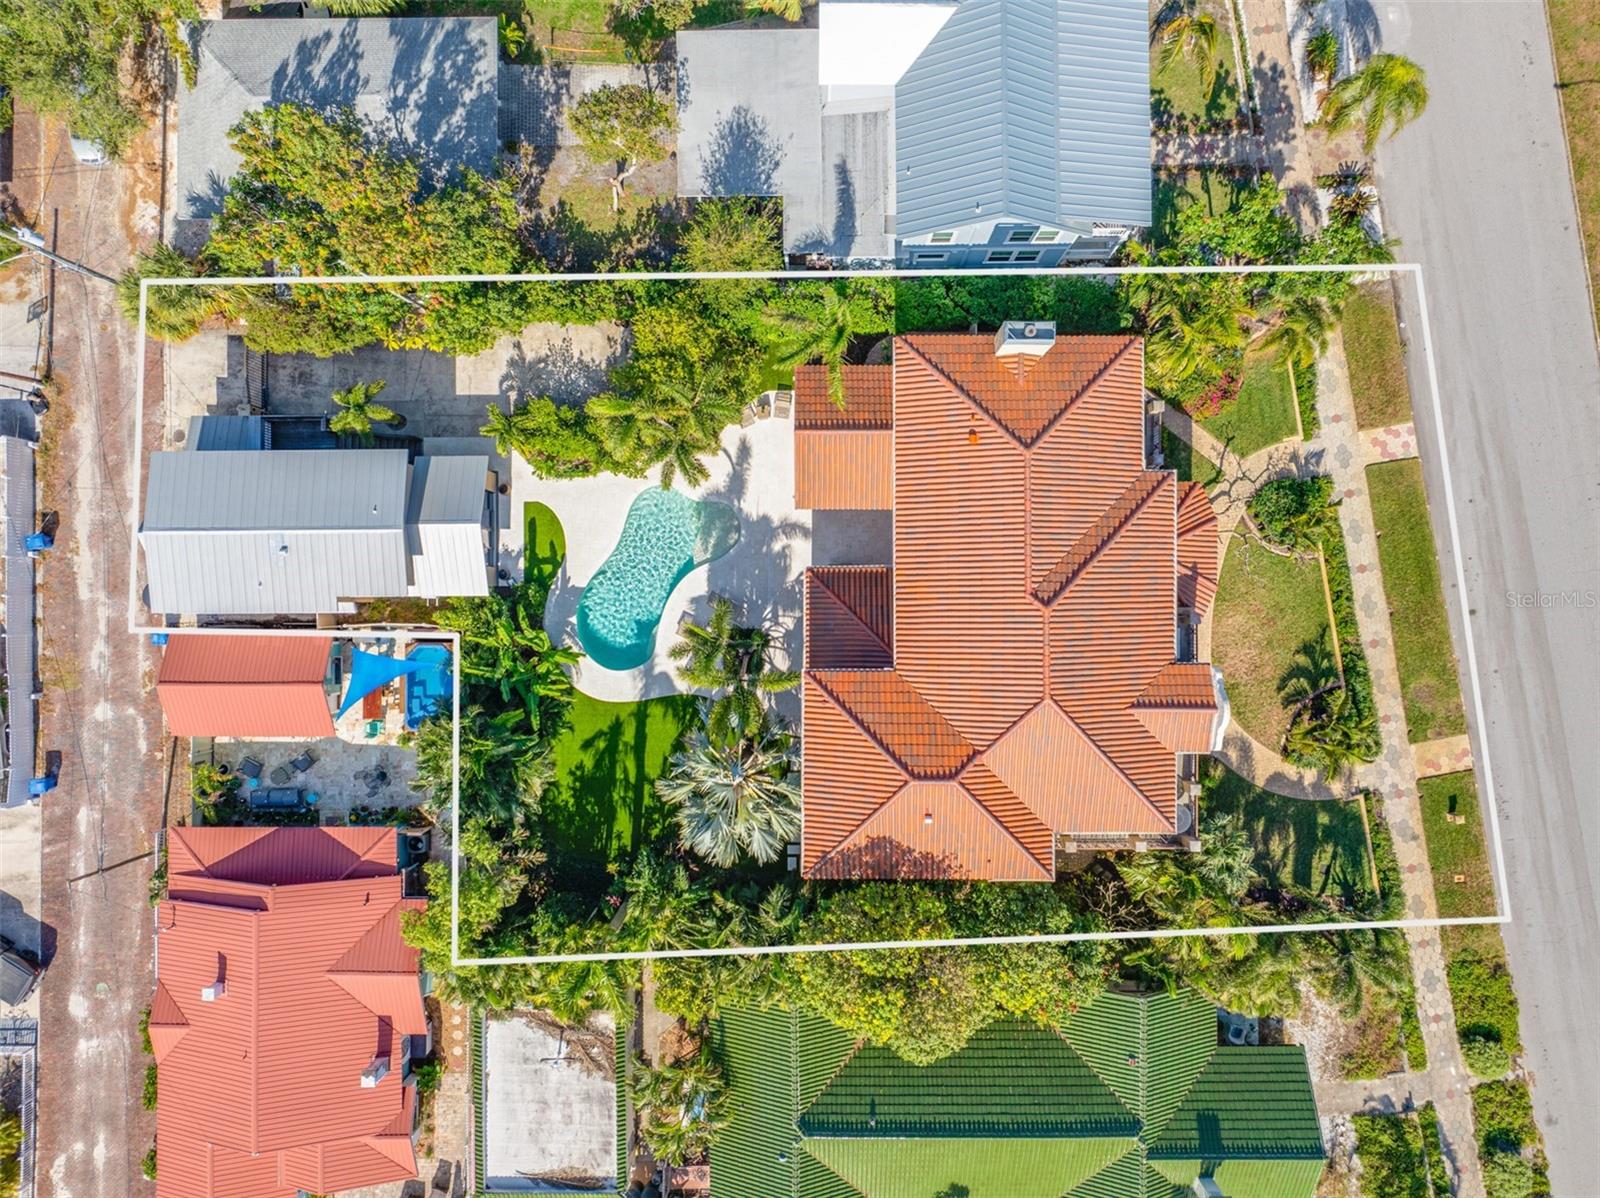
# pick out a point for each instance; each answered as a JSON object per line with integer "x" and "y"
{"x": 427, "y": 689}
{"x": 666, "y": 535}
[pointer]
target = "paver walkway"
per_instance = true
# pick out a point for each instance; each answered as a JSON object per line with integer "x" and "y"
{"x": 1390, "y": 444}
{"x": 1263, "y": 767}
{"x": 1288, "y": 156}
{"x": 1394, "y": 774}
{"x": 1447, "y": 755}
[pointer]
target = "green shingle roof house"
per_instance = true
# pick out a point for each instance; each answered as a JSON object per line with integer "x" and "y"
{"x": 1132, "y": 1098}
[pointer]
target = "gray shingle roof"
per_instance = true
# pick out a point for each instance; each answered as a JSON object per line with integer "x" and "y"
{"x": 428, "y": 83}
{"x": 1039, "y": 110}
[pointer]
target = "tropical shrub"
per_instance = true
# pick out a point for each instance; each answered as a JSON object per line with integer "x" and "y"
{"x": 1481, "y": 990}
{"x": 172, "y": 313}
{"x": 682, "y": 1107}
{"x": 1389, "y": 91}
{"x": 556, "y": 440}
{"x": 738, "y": 233}
{"x": 1483, "y": 1052}
{"x": 623, "y": 124}
{"x": 736, "y": 664}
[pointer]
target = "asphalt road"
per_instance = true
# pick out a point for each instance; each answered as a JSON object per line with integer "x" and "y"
{"x": 1478, "y": 191}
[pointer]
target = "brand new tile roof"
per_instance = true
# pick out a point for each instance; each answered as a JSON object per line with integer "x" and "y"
{"x": 1028, "y": 626}
{"x": 1132, "y": 1098}
{"x": 245, "y": 686}
{"x": 260, "y": 1084}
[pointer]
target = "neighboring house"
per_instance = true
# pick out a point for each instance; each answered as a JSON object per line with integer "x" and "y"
{"x": 312, "y": 531}
{"x": 287, "y": 1013}
{"x": 1131, "y": 1098}
{"x": 1018, "y": 681}
{"x": 979, "y": 133}
{"x": 428, "y": 84}
{"x": 247, "y": 687}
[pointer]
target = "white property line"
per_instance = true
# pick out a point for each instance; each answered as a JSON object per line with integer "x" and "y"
{"x": 1480, "y": 749}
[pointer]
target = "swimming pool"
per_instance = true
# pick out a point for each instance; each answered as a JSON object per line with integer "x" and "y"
{"x": 428, "y": 688}
{"x": 666, "y": 535}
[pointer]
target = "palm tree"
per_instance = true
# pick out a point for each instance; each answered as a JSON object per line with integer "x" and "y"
{"x": 1186, "y": 328}
{"x": 850, "y": 309}
{"x": 671, "y": 421}
{"x": 1227, "y": 855}
{"x": 1332, "y": 733}
{"x": 734, "y": 798}
{"x": 1313, "y": 672}
{"x": 512, "y": 653}
{"x": 1390, "y": 90}
{"x": 682, "y": 1106}
{"x": 1185, "y": 32}
{"x": 1322, "y": 54}
{"x": 504, "y": 765}
{"x": 1302, "y": 330}
{"x": 719, "y": 656}
{"x": 507, "y": 428}
{"x": 358, "y": 413}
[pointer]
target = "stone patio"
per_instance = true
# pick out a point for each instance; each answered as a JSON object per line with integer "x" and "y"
{"x": 754, "y": 474}
{"x": 344, "y": 776}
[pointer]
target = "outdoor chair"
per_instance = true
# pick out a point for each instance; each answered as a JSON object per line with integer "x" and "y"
{"x": 280, "y": 775}
{"x": 783, "y": 405}
{"x": 250, "y": 769}
{"x": 748, "y": 416}
{"x": 303, "y": 762}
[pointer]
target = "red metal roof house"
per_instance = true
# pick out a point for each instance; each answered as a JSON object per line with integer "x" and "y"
{"x": 284, "y": 1009}
{"x": 1014, "y": 677}
{"x": 246, "y": 686}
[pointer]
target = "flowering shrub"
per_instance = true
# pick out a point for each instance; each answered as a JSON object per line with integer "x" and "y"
{"x": 1214, "y": 398}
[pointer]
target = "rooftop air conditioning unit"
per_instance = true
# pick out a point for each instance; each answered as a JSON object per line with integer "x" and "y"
{"x": 214, "y": 991}
{"x": 374, "y": 1073}
{"x": 1025, "y": 338}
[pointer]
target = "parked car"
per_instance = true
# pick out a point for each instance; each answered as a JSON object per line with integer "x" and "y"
{"x": 19, "y": 973}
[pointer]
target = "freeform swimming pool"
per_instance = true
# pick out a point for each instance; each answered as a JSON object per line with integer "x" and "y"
{"x": 427, "y": 688}
{"x": 666, "y": 535}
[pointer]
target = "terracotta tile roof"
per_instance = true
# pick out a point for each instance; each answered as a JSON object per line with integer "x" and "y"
{"x": 851, "y": 610}
{"x": 868, "y": 398}
{"x": 897, "y": 716}
{"x": 260, "y": 1087}
{"x": 844, "y": 469}
{"x": 1198, "y": 549}
{"x": 244, "y": 686}
{"x": 1038, "y": 571}
{"x": 1022, "y": 397}
{"x": 1179, "y": 707}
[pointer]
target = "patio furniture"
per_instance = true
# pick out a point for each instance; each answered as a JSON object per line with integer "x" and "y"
{"x": 783, "y": 405}
{"x": 748, "y": 416}
{"x": 279, "y": 775}
{"x": 276, "y": 798}
{"x": 374, "y": 729}
{"x": 250, "y": 769}
{"x": 764, "y": 403}
{"x": 303, "y": 762}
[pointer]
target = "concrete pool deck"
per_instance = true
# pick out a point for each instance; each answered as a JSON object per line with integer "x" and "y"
{"x": 754, "y": 474}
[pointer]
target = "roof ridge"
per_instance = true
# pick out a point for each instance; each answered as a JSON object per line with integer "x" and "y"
{"x": 1146, "y": 702}
{"x": 1094, "y": 744}
{"x": 1129, "y": 340}
{"x": 1094, "y": 539}
{"x": 963, "y": 393}
{"x": 819, "y": 573}
{"x": 849, "y": 714}
{"x": 839, "y": 844}
{"x": 910, "y": 774}
{"x": 1048, "y": 866}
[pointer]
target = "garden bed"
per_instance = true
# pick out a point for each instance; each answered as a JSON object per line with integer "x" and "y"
{"x": 1427, "y": 661}
{"x": 1376, "y": 357}
{"x": 1401, "y": 1156}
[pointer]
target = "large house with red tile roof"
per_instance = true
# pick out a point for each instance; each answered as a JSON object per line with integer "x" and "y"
{"x": 1017, "y": 681}
{"x": 286, "y": 1014}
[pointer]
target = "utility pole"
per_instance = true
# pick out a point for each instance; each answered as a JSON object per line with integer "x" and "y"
{"x": 30, "y": 240}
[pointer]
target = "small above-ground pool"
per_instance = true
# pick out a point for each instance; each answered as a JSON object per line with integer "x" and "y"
{"x": 666, "y": 535}
{"x": 428, "y": 687}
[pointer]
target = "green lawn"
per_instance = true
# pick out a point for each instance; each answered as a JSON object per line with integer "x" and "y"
{"x": 1215, "y": 189}
{"x": 1457, "y": 847}
{"x": 1428, "y": 677}
{"x": 1575, "y": 31}
{"x": 546, "y": 545}
{"x": 1267, "y": 608}
{"x": 1191, "y": 465}
{"x": 602, "y": 804}
{"x": 1376, "y": 358}
{"x": 1317, "y": 848}
{"x": 1179, "y": 89}
{"x": 1263, "y": 414}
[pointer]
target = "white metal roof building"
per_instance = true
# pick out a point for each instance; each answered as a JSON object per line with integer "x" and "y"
{"x": 301, "y": 532}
